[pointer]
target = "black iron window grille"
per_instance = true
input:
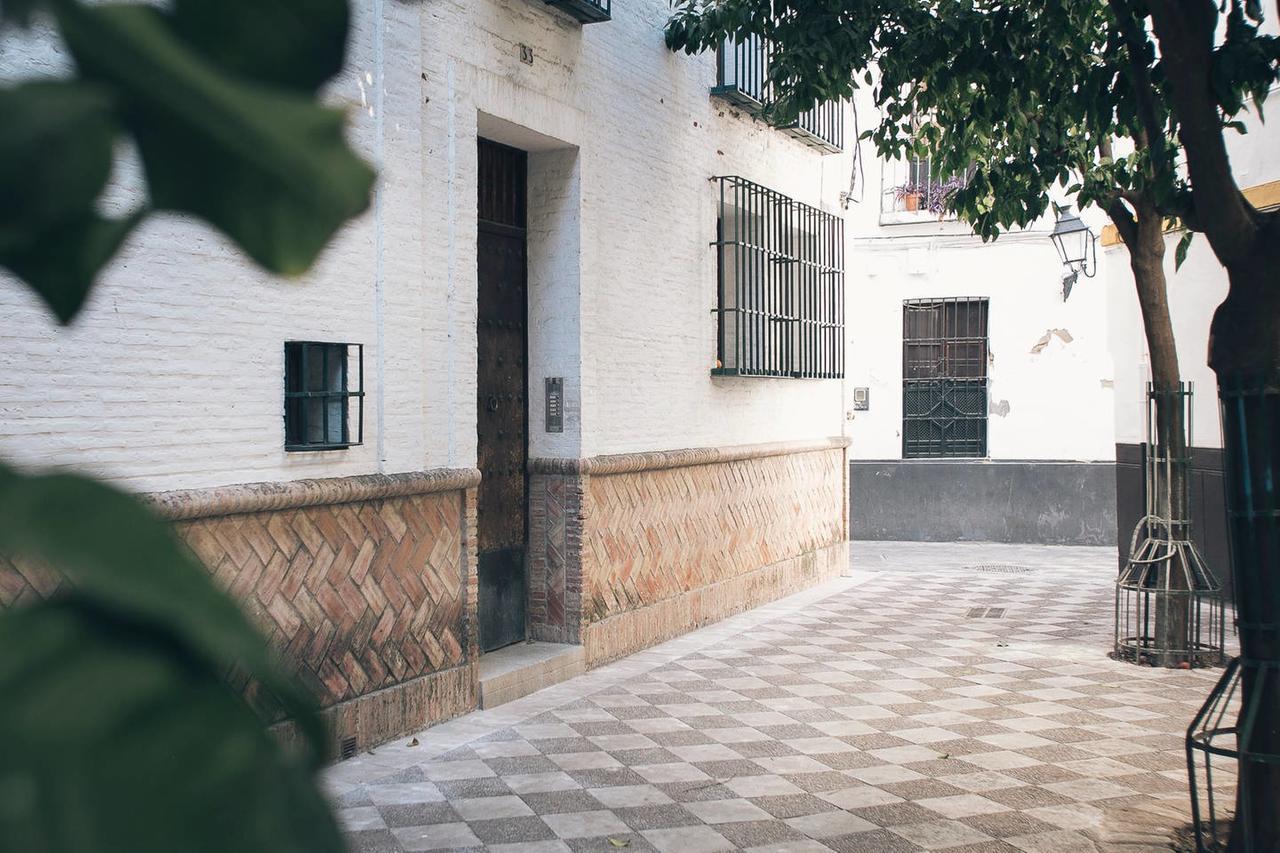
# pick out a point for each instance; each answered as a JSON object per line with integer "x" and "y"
{"x": 781, "y": 285}
{"x": 742, "y": 77}
{"x": 944, "y": 378}
{"x": 586, "y": 11}
{"x": 319, "y": 398}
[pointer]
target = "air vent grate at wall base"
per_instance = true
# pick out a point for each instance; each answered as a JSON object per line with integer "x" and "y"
{"x": 348, "y": 748}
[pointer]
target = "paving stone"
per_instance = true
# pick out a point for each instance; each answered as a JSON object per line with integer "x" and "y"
{"x": 372, "y": 841}
{"x": 557, "y": 802}
{"x": 441, "y": 836}
{"x": 748, "y": 835}
{"x": 418, "y": 814}
{"x": 585, "y": 824}
{"x": 687, "y": 839}
{"x": 656, "y": 817}
{"x": 511, "y": 830}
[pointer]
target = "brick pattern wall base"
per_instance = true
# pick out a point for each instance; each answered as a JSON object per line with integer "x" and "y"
{"x": 365, "y": 585}
{"x": 633, "y": 630}
{"x": 627, "y": 551}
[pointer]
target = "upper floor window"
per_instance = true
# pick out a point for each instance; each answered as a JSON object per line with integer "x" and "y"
{"x": 914, "y": 191}
{"x": 319, "y": 395}
{"x": 586, "y": 11}
{"x": 781, "y": 285}
{"x": 742, "y": 77}
{"x": 944, "y": 378}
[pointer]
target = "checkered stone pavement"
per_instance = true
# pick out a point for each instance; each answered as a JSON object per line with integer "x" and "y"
{"x": 892, "y": 710}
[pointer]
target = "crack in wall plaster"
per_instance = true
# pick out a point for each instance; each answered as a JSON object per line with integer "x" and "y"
{"x": 1061, "y": 334}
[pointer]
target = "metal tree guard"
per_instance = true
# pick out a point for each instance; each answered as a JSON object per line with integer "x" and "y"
{"x": 1238, "y": 719}
{"x": 1169, "y": 607}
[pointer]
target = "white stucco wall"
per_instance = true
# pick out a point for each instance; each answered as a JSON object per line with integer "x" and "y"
{"x": 1050, "y": 402}
{"x": 171, "y": 378}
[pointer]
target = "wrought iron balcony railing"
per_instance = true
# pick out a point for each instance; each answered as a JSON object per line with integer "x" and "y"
{"x": 586, "y": 11}
{"x": 742, "y": 78}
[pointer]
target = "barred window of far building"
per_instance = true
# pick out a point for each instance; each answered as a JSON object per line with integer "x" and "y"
{"x": 944, "y": 378}
{"x": 323, "y": 408}
{"x": 781, "y": 285}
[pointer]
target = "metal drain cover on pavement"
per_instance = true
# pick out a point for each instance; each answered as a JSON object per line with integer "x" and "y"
{"x": 1001, "y": 569}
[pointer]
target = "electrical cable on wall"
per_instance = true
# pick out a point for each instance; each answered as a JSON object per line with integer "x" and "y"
{"x": 856, "y": 167}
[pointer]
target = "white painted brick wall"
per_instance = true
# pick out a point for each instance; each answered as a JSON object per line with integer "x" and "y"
{"x": 172, "y": 377}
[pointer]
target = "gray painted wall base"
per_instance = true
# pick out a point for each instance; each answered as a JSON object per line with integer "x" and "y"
{"x": 955, "y": 500}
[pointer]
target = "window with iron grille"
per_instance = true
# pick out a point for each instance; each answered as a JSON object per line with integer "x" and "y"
{"x": 944, "y": 378}
{"x": 742, "y": 77}
{"x": 319, "y": 397}
{"x": 781, "y": 285}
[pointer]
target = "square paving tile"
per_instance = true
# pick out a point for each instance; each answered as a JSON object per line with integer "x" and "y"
{"x": 441, "y": 836}
{"x": 585, "y": 824}
{"x": 687, "y": 839}
{"x": 726, "y": 811}
{"x": 830, "y": 824}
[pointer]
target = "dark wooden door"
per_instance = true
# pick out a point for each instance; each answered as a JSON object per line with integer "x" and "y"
{"x": 502, "y": 415}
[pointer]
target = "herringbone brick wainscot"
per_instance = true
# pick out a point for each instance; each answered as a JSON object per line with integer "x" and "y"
{"x": 630, "y": 550}
{"x": 365, "y": 584}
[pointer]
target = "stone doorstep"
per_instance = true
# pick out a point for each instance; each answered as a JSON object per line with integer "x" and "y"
{"x": 518, "y": 670}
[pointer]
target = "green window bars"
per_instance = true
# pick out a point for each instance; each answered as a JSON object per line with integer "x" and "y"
{"x": 318, "y": 398}
{"x": 944, "y": 378}
{"x": 781, "y": 285}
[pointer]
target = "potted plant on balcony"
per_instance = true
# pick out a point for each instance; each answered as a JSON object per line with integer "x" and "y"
{"x": 908, "y": 196}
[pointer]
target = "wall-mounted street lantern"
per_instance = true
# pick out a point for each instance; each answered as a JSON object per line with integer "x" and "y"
{"x": 1077, "y": 247}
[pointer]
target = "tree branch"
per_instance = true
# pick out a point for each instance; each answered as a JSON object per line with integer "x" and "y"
{"x": 1125, "y": 224}
{"x": 1185, "y": 31}
{"x": 1143, "y": 89}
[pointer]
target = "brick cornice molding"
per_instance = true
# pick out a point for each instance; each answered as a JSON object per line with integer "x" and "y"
{"x": 218, "y": 501}
{"x": 630, "y": 463}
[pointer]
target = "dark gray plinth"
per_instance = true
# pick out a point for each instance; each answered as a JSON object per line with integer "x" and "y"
{"x": 950, "y": 500}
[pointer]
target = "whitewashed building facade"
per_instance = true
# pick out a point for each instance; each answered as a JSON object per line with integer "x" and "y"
{"x": 982, "y": 400}
{"x": 497, "y": 409}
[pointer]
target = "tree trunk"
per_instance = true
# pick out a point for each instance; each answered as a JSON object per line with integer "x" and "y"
{"x": 1245, "y": 353}
{"x": 1145, "y": 241}
{"x": 1244, "y": 350}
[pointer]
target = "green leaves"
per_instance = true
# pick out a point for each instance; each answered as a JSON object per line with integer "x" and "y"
{"x": 127, "y": 562}
{"x": 62, "y": 261}
{"x": 55, "y": 157}
{"x": 123, "y": 733}
{"x": 296, "y": 45}
{"x": 220, "y": 100}
{"x": 1180, "y": 254}
{"x": 117, "y": 738}
{"x": 55, "y": 153}
{"x": 268, "y": 168}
